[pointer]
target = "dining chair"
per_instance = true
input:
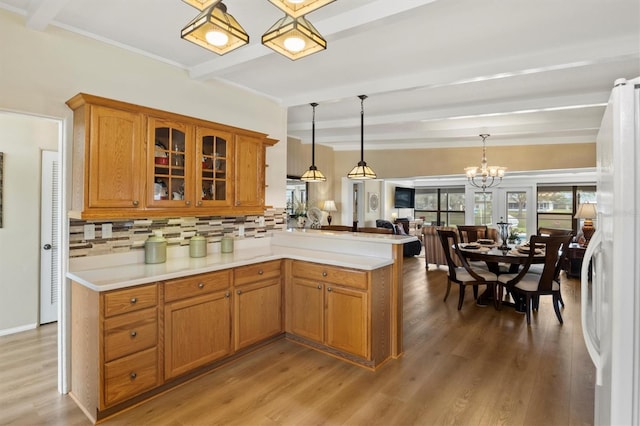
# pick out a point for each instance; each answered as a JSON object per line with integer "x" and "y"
{"x": 532, "y": 285}
{"x": 563, "y": 258}
{"x": 471, "y": 233}
{"x": 464, "y": 275}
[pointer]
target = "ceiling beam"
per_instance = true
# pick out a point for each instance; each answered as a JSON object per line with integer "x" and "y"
{"x": 363, "y": 15}
{"x": 42, "y": 12}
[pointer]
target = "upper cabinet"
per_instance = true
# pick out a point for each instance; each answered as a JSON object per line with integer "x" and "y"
{"x": 133, "y": 161}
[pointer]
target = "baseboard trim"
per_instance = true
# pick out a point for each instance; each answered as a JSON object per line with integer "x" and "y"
{"x": 14, "y": 330}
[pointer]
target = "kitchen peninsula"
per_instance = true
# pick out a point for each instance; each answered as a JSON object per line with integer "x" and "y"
{"x": 140, "y": 329}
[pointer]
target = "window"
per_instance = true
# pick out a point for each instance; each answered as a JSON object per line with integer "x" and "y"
{"x": 482, "y": 208}
{"x": 440, "y": 206}
{"x": 558, "y": 204}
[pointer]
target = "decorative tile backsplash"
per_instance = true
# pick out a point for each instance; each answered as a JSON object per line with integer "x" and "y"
{"x": 130, "y": 234}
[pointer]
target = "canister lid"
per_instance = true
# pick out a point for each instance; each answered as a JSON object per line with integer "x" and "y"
{"x": 156, "y": 237}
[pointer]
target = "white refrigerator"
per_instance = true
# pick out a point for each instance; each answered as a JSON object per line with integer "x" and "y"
{"x": 611, "y": 293}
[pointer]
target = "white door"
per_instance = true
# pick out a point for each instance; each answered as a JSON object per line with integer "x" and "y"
{"x": 49, "y": 238}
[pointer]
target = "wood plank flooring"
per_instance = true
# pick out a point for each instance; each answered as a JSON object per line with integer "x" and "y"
{"x": 476, "y": 366}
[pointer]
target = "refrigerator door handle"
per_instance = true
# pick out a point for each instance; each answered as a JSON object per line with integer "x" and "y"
{"x": 591, "y": 301}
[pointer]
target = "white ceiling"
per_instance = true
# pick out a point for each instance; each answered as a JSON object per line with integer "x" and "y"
{"x": 437, "y": 72}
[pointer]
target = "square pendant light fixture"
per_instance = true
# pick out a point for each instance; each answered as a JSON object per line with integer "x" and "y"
{"x": 295, "y": 8}
{"x": 215, "y": 29}
{"x": 294, "y": 38}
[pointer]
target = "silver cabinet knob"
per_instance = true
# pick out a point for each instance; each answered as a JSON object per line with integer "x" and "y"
{"x": 260, "y": 272}
{"x": 134, "y": 333}
{"x": 136, "y": 203}
{"x": 329, "y": 289}
{"x": 324, "y": 273}
{"x": 239, "y": 292}
{"x": 227, "y": 294}
{"x": 133, "y": 375}
{"x": 133, "y": 300}
{"x": 188, "y": 203}
{"x": 199, "y": 203}
{"x": 319, "y": 287}
{"x": 200, "y": 285}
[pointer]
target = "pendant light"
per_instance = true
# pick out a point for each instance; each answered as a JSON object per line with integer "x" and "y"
{"x": 294, "y": 38}
{"x": 313, "y": 174}
{"x": 362, "y": 171}
{"x": 215, "y": 30}
{"x": 484, "y": 177}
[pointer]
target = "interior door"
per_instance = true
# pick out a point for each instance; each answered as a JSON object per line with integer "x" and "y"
{"x": 49, "y": 238}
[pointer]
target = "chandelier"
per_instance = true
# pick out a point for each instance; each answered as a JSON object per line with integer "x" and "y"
{"x": 292, "y": 36}
{"x": 484, "y": 176}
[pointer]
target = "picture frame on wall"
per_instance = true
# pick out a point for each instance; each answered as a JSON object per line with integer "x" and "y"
{"x": 373, "y": 201}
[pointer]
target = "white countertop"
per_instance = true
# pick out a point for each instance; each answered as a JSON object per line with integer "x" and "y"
{"x": 117, "y": 276}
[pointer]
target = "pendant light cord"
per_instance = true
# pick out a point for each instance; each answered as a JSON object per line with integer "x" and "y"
{"x": 313, "y": 134}
{"x": 362, "y": 98}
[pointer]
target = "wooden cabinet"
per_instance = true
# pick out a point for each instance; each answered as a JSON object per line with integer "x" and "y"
{"x": 257, "y": 303}
{"x": 107, "y": 159}
{"x": 197, "y": 321}
{"x": 183, "y": 165}
{"x": 330, "y": 305}
{"x": 115, "y": 350}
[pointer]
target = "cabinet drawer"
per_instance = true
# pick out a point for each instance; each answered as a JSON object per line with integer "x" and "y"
{"x": 196, "y": 285}
{"x": 258, "y": 272}
{"x": 130, "y": 299}
{"x": 130, "y": 376}
{"x": 129, "y": 333}
{"x": 330, "y": 274}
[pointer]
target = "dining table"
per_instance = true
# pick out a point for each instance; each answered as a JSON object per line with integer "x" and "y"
{"x": 493, "y": 254}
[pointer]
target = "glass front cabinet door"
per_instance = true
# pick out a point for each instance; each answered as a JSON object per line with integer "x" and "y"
{"x": 170, "y": 144}
{"x": 213, "y": 167}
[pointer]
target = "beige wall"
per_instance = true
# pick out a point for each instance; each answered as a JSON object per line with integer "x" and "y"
{"x": 40, "y": 70}
{"x": 390, "y": 164}
{"x": 22, "y": 140}
{"x": 299, "y": 160}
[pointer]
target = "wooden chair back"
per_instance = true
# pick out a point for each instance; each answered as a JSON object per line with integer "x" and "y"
{"x": 450, "y": 239}
{"x": 471, "y": 233}
{"x": 554, "y": 247}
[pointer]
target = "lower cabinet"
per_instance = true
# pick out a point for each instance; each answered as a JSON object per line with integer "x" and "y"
{"x": 330, "y": 306}
{"x": 197, "y": 321}
{"x": 257, "y": 304}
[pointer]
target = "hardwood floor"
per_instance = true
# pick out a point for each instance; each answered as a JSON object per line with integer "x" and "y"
{"x": 476, "y": 366}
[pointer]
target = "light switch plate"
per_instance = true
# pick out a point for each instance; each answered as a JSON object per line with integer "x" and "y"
{"x": 240, "y": 230}
{"x": 107, "y": 230}
{"x": 90, "y": 231}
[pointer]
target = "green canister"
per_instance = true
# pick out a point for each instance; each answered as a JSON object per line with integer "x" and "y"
{"x": 197, "y": 246}
{"x": 155, "y": 249}
{"x": 226, "y": 244}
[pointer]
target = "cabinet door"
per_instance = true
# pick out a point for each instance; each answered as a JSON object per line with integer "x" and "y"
{"x": 249, "y": 172}
{"x": 115, "y": 172}
{"x": 214, "y": 168}
{"x": 306, "y": 313}
{"x": 197, "y": 331}
{"x": 170, "y": 164}
{"x": 257, "y": 312}
{"x": 347, "y": 319}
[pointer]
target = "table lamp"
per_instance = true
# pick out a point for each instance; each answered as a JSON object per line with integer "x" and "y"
{"x": 587, "y": 211}
{"x": 329, "y": 206}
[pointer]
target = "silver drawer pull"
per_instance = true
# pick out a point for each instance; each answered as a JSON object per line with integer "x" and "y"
{"x": 133, "y": 376}
{"x": 200, "y": 285}
{"x": 329, "y": 289}
{"x": 133, "y": 300}
{"x": 227, "y": 294}
{"x": 239, "y": 292}
{"x": 319, "y": 287}
{"x": 324, "y": 273}
{"x": 260, "y": 272}
{"x": 134, "y": 333}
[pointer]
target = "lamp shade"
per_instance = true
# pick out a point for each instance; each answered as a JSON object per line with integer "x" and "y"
{"x": 298, "y": 8}
{"x": 586, "y": 211}
{"x": 294, "y": 38}
{"x": 215, "y": 30}
{"x": 200, "y": 4}
{"x": 329, "y": 206}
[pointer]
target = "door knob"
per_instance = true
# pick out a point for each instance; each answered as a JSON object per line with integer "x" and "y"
{"x": 47, "y": 246}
